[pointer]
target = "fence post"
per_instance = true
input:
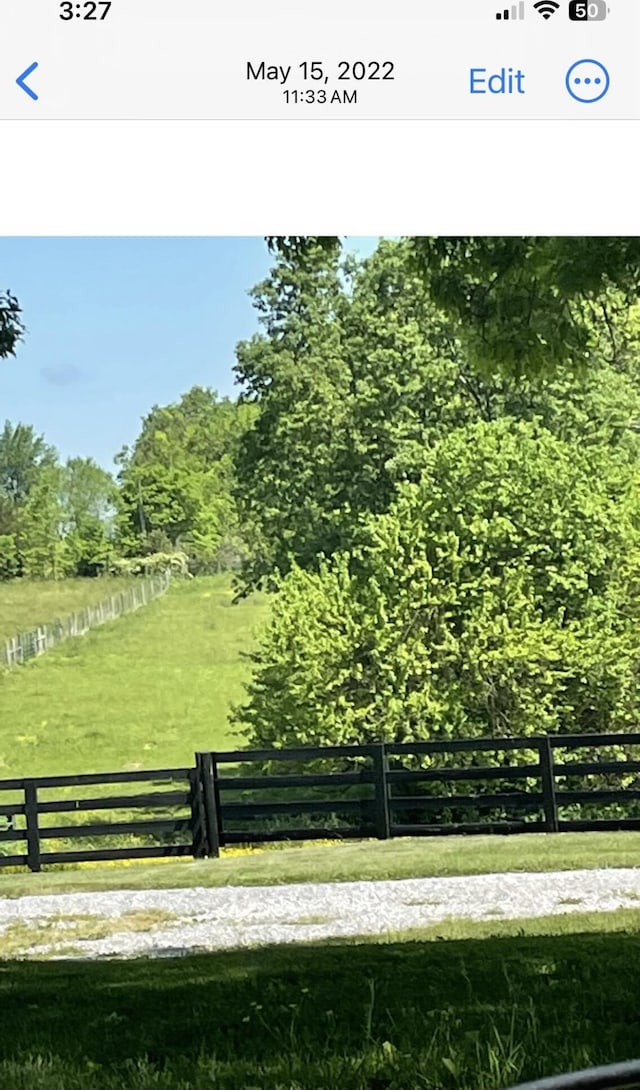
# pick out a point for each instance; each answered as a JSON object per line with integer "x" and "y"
{"x": 33, "y": 831}
{"x": 207, "y": 767}
{"x": 381, "y": 791}
{"x": 199, "y": 842}
{"x": 548, "y": 785}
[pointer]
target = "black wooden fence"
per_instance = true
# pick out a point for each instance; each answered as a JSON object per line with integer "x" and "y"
{"x": 28, "y": 812}
{"x": 357, "y": 792}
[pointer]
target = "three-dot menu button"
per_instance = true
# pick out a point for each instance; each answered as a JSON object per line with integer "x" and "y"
{"x": 587, "y": 81}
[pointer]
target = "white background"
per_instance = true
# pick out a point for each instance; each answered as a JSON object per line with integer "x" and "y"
{"x": 354, "y": 178}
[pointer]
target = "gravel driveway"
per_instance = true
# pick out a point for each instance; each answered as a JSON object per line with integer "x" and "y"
{"x": 169, "y": 922}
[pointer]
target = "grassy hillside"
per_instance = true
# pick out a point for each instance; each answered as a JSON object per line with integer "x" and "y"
{"x": 144, "y": 691}
{"x": 26, "y": 603}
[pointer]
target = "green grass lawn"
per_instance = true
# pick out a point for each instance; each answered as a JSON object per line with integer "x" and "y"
{"x": 144, "y": 691}
{"x": 406, "y": 857}
{"x": 26, "y": 603}
{"x": 459, "y": 1007}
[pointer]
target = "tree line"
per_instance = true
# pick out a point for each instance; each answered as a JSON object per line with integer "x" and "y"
{"x": 172, "y": 493}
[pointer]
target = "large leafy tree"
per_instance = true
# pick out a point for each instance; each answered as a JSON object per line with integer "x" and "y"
{"x": 497, "y": 596}
{"x": 462, "y": 556}
{"x": 357, "y": 373}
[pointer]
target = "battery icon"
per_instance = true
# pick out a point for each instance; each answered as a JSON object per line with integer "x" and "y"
{"x": 591, "y": 11}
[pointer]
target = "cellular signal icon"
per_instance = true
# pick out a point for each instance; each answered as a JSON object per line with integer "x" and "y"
{"x": 515, "y": 12}
{"x": 546, "y": 8}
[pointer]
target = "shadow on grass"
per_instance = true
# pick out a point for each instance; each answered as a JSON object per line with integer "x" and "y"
{"x": 475, "y": 1013}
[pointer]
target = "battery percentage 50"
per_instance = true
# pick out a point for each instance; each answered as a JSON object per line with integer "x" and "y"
{"x": 592, "y": 11}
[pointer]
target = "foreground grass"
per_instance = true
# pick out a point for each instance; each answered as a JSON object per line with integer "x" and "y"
{"x": 477, "y": 1008}
{"x": 144, "y": 691}
{"x": 26, "y": 603}
{"x": 408, "y": 857}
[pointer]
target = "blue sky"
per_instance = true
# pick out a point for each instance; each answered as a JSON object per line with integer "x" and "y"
{"x": 117, "y": 325}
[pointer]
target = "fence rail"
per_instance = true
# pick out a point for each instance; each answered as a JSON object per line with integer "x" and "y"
{"x": 196, "y": 811}
{"x": 36, "y": 641}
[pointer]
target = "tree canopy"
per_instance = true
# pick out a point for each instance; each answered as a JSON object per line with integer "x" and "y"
{"x": 524, "y": 304}
{"x": 358, "y": 372}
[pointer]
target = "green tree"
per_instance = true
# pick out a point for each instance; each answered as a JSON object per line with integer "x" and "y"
{"x": 290, "y": 463}
{"x": 87, "y": 490}
{"x": 23, "y": 455}
{"x": 39, "y": 536}
{"x": 496, "y": 597}
{"x": 176, "y": 481}
{"x": 88, "y": 498}
{"x": 356, "y": 374}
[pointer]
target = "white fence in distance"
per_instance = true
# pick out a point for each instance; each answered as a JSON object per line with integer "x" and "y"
{"x": 26, "y": 645}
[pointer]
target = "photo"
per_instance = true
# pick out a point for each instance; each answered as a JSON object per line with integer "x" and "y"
{"x": 319, "y": 661}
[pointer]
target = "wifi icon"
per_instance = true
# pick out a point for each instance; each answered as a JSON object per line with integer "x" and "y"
{"x": 546, "y": 8}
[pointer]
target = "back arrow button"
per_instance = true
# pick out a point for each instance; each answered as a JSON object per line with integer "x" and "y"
{"x": 25, "y": 75}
